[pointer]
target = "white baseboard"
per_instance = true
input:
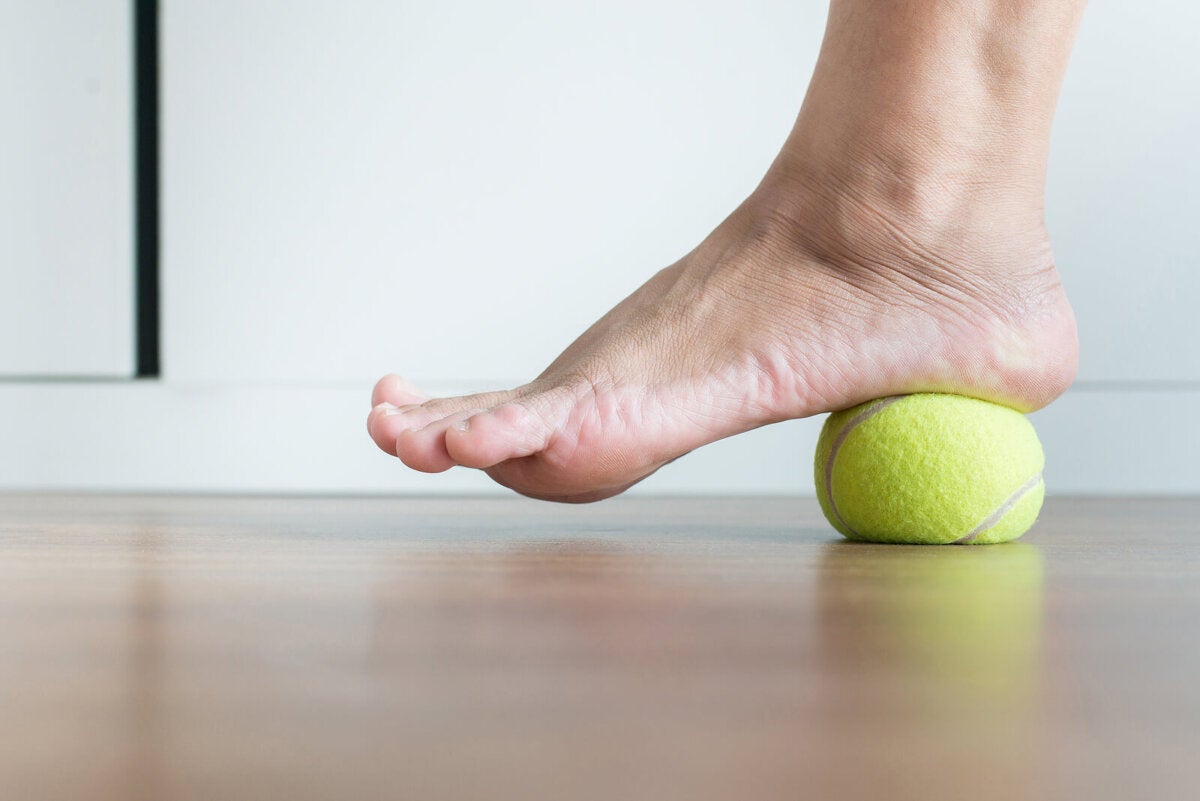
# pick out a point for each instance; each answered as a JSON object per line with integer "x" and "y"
{"x": 159, "y": 436}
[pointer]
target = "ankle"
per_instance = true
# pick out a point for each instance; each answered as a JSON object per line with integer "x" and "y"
{"x": 915, "y": 180}
{"x": 922, "y": 99}
{"x": 864, "y": 216}
{"x": 892, "y": 197}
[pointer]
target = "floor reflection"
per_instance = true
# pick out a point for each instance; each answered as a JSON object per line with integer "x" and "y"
{"x": 147, "y": 663}
{"x": 937, "y": 651}
{"x": 507, "y": 668}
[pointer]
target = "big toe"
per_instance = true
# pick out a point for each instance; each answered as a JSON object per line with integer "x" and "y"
{"x": 397, "y": 391}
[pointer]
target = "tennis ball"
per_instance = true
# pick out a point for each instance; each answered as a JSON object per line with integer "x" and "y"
{"x": 930, "y": 469}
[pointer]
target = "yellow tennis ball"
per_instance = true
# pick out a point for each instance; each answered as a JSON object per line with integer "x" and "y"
{"x": 930, "y": 469}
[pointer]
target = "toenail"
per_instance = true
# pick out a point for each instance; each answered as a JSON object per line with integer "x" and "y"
{"x": 463, "y": 425}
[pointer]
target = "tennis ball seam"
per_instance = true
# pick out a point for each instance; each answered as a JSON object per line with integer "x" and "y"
{"x": 1000, "y": 510}
{"x": 866, "y": 414}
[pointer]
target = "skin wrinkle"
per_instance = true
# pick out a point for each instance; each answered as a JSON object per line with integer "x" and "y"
{"x": 944, "y": 284}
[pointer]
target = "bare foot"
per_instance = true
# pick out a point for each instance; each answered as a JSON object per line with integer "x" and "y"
{"x": 775, "y": 316}
{"x": 895, "y": 246}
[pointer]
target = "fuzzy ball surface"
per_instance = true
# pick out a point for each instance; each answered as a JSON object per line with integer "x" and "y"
{"x": 930, "y": 468}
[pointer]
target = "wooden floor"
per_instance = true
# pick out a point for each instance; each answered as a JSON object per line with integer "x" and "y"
{"x": 249, "y": 648}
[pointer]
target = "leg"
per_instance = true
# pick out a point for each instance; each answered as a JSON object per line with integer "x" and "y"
{"x": 896, "y": 245}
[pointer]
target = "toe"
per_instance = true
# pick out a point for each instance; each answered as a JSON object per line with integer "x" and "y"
{"x": 391, "y": 397}
{"x": 508, "y": 431}
{"x": 404, "y": 409}
{"x": 386, "y": 421}
{"x": 395, "y": 390}
{"x": 424, "y": 448}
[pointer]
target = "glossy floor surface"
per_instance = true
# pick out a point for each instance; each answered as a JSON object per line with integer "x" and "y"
{"x": 247, "y": 648}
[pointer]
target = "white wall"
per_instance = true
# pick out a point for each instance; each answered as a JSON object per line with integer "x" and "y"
{"x": 66, "y": 188}
{"x": 455, "y": 190}
{"x": 1122, "y": 201}
{"x": 344, "y": 179}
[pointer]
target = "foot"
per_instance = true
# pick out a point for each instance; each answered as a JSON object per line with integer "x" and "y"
{"x": 818, "y": 293}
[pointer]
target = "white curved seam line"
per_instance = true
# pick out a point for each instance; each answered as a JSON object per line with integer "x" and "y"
{"x": 1001, "y": 511}
{"x": 858, "y": 419}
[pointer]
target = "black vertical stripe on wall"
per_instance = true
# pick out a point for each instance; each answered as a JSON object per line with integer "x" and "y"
{"x": 146, "y": 150}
